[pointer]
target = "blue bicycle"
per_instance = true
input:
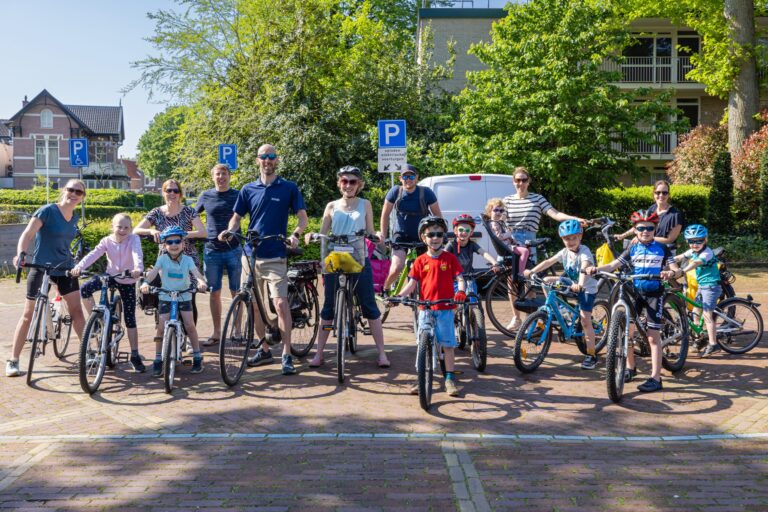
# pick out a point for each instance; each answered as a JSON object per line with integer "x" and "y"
{"x": 535, "y": 334}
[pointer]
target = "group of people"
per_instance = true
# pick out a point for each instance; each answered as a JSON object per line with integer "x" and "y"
{"x": 411, "y": 214}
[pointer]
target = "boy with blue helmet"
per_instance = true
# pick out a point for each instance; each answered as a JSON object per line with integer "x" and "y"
{"x": 576, "y": 257}
{"x": 702, "y": 259}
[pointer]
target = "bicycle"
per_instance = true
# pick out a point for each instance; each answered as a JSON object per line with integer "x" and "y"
{"x": 427, "y": 355}
{"x": 605, "y": 253}
{"x": 674, "y": 331}
{"x": 470, "y": 323}
{"x": 535, "y": 334}
{"x": 238, "y": 332}
{"x": 100, "y": 345}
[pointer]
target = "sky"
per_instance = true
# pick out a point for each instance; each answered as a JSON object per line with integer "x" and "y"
{"x": 80, "y": 50}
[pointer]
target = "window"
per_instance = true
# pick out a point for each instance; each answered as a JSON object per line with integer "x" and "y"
{"x": 99, "y": 152}
{"x": 690, "y": 108}
{"x": 47, "y": 154}
{"x": 46, "y": 119}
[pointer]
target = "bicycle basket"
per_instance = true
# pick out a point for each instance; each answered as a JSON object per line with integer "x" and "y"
{"x": 342, "y": 262}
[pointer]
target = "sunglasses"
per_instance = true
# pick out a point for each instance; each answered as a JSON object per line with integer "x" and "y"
{"x": 499, "y": 210}
{"x": 175, "y": 241}
{"x": 698, "y": 241}
{"x": 435, "y": 234}
{"x": 77, "y": 191}
{"x": 640, "y": 229}
{"x": 267, "y": 156}
{"x": 521, "y": 180}
{"x": 172, "y": 191}
{"x": 661, "y": 192}
{"x": 408, "y": 176}
{"x": 345, "y": 181}
{"x": 464, "y": 230}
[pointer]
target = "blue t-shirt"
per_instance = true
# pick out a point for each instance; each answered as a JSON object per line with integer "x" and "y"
{"x": 408, "y": 215}
{"x": 647, "y": 259}
{"x": 269, "y": 207}
{"x": 175, "y": 275}
{"x": 218, "y": 207}
{"x": 54, "y": 238}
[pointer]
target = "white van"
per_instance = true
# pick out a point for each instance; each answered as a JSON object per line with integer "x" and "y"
{"x": 469, "y": 193}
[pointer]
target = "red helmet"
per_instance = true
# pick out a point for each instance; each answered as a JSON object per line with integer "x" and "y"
{"x": 464, "y": 218}
{"x": 644, "y": 216}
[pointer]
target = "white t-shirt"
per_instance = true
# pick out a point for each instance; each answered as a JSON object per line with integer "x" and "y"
{"x": 572, "y": 262}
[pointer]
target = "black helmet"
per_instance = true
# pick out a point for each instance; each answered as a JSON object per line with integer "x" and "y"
{"x": 431, "y": 220}
{"x": 350, "y": 169}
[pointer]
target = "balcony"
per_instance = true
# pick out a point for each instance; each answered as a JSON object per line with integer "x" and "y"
{"x": 652, "y": 70}
{"x": 105, "y": 171}
{"x": 661, "y": 149}
{"x": 468, "y": 4}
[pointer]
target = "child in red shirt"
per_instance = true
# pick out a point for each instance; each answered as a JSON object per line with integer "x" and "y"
{"x": 435, "y": 272}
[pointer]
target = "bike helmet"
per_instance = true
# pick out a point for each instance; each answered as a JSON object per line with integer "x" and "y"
{"x": 172, "y": 231}
{"x": 350, "y": 169}
{"x": 431, "y": 220}
{"x": 695, "y": 231}
{"x": 464, "y": 218}
{"x": 644, "y": 216}
{"x": 569, "y": 227}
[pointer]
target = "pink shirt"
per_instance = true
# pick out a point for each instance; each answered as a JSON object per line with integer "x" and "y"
{"x": 120, "y": 256}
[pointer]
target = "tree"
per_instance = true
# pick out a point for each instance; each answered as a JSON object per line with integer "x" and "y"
{"x": 547, "y": 102}
{"x": 158, "y": 153}
{"x": 719, "y": 217}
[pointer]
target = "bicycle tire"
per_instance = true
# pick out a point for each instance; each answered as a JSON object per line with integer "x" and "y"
{"x": 745, "y": 313}
{"x": 115, "y": 328}
{"x": 61, "y": 342}
{"x": 534, "y": 333}
{"x": 38, "y": 319}
{"x": 169, "y": 363}
{"x": 727, "y": 291}
{"x": 304, "y": 332}
{"x": 461, "y": 328}
{"x": 354, "y": 315}
{"x": 498, "y": 305}
{"x": 601, "y": 316}
{"x": 236, "y": 340}
{"x": 92, "y": 361}
{"x": 616, "y": 354}
{"x": 425, "y": 370}
{"x": 674, "y": 325}
{"x": 342, "y": 324}
{"x": 479, "y": 340}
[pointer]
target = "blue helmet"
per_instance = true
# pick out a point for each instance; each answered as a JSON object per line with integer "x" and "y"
{"x": 695, "y": 231}
{"x": 172, "y": 231}
{"x": 569, "y": 227}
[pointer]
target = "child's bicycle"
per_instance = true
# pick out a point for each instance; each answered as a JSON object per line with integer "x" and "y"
{"x": 535, "y": 334}
{"x": 100, "y": 345}
{"x": 427, "y": 355}
{"x": 470, "y": 323}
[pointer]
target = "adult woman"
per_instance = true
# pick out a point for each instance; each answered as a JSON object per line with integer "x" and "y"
{"x": 174, "y": 213}
{"x": 53, "y": 227}
{"x": 671, "y": 220}
{"x": 347, "y": 216}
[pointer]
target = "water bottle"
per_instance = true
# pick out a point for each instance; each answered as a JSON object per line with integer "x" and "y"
{"x": 566, "y": 314}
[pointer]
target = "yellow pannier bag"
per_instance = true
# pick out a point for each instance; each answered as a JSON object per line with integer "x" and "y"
{"x": 342, "y": 262}
{"x": 603, "y": 255}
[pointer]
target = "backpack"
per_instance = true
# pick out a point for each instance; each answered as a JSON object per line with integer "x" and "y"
{"x": 423, "y": 207}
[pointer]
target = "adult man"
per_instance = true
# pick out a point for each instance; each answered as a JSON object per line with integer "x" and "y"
{"x": 268, "y": 201}
{"x": 411, "y": 203}
{"x": 218, "y": 203}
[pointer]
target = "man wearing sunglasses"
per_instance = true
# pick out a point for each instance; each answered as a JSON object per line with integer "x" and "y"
{"x": 410, "y": 203}
{"x": 268, "y": 201}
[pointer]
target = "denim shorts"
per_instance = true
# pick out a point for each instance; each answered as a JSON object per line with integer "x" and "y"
{"x": 444, "y": 329}
{"x": 587, "y": 301}
{"x": 708, "y": 295}
{"x": 363, "y": 291}
{"x": 165, "y": 306}
{"x": 214, "y": 264}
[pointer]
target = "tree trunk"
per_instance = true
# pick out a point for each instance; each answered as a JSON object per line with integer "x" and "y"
{"x": 744, "y": 99}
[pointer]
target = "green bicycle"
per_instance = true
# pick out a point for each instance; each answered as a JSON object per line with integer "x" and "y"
{"x": 410, "y": 257}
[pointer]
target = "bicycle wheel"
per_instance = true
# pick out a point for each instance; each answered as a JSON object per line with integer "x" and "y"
{"x": 93, "y": 361}
{"x": 674, "y": 334}
{"x": 739, "y": 325}
{"x": 236, "y": 340}
{"x": 306, "y": 319}
{"x": 532, "y": 341}
{"x": 115, "y": 333}
{"x": 477, "y": 338}
{"x": 355, "y": 317}
{"x": 498, "y": 303}
{"x": 37, "y": 320}
{"x": 727, "y": 291}
{"x": 616, "y": 354}
{"x": 63, "y": 331}
{"x": 169, "y": 363}
{"x": 461, "y": 329}
{"x": 342, "y": 334}
{"x": 425, "y": 369}
{"x": 601, "y": 315}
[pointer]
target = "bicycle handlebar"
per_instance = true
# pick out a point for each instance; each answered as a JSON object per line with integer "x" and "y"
{"x": 102, "y": 275}
{"x": 316, "y": 237}
{"x": 415, "y": 302}
{"x": 22, "y": 264}
{"x": 405, "y": 245}
{"x": 159, "y": 289}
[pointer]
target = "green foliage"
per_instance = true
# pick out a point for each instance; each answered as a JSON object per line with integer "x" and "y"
{"x": 149, "y": 201}
{"x": 158, "y": 145}
{"x": 547, "y": 102}
{"x": 719, "y": 216}
{"x": 763, "y": 228}
{"x": 36, "y": 196}
{"x": 742, "y": 249}
{"x": 695, "y": 155}
{"x": 91, "y": 212}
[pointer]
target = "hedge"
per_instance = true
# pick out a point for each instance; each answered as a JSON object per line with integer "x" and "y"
{"x": 37, "y": 196}
{"x": 91, "y": 212}
{"x": 149, "y": 201}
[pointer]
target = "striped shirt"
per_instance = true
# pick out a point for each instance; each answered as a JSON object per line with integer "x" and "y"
{"x": 524, "y": 214}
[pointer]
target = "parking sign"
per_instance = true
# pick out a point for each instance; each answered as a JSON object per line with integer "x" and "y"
{"x": 228, "y": 155}
{"x": 392, "y": 145}
{"x": 78, "y": 152}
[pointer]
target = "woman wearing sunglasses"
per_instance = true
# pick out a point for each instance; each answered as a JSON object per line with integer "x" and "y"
{"x": 53, "y": 227}
{"x": 670, "y": 218}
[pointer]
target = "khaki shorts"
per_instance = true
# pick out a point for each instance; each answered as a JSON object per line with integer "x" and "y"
{"x": 273, "y": 272}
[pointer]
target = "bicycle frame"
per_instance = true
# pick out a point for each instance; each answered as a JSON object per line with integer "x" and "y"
{"x": 174, "y": 320}
{"x": 553, "y": 305}
{"x": 410, "y": 257}
{"x": 41, "y": 308}
{"x": 699, "y": 326}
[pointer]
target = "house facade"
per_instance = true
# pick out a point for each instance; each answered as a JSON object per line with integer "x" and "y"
{"x": 40, "y": 134}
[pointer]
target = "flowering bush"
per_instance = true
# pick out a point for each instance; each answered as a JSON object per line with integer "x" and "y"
{"x": 695, "y": 155}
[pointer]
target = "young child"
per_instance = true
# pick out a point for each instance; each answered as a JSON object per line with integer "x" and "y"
{"x": 465, "y": 249}
{"x": 123, "y": 250}
{"x": 647, "y": 256}
{"x": 435, "y": 272}
{"x": 707, "y": 275}
{"x": 575, "y": 258}
{"x": 175, "y": 269}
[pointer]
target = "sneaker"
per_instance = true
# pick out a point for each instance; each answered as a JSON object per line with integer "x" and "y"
{"x": 513, "y": 324}
{"x": 260, "y": 358}
{"x": 12, "y": 369}
{"x": 413, "y": 389}
{"x": 138, "y": 364}
{"x": 650, "y": 386}
{"x": 288, "y": 368}
{"x": 589, "y": 363}
{"x": 450, "y": 387}
{"x": 197, "y": 365}
{"x": 630, "y": 374}
{"x": 157, "y": 368}
{"x": 711, "y": 349}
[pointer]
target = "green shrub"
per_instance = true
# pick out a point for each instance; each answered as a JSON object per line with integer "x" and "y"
{"x": 95, "y": 197}
{"x": 719, "y": 215}
{"x": 742, "y": 249}
{"x": 91, "y": 212}
{"x": 150, "y": 201}
{"x": 763, "y": 228}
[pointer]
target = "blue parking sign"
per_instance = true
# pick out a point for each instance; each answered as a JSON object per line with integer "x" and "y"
{"x": 392, "y": 133}
{"x": 78, "y": 152}
{"x": 228, "y": 155}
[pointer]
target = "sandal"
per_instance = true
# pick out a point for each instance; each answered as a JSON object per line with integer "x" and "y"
{"x": 313, "y": 364}
{"x": 211, "y": 341}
